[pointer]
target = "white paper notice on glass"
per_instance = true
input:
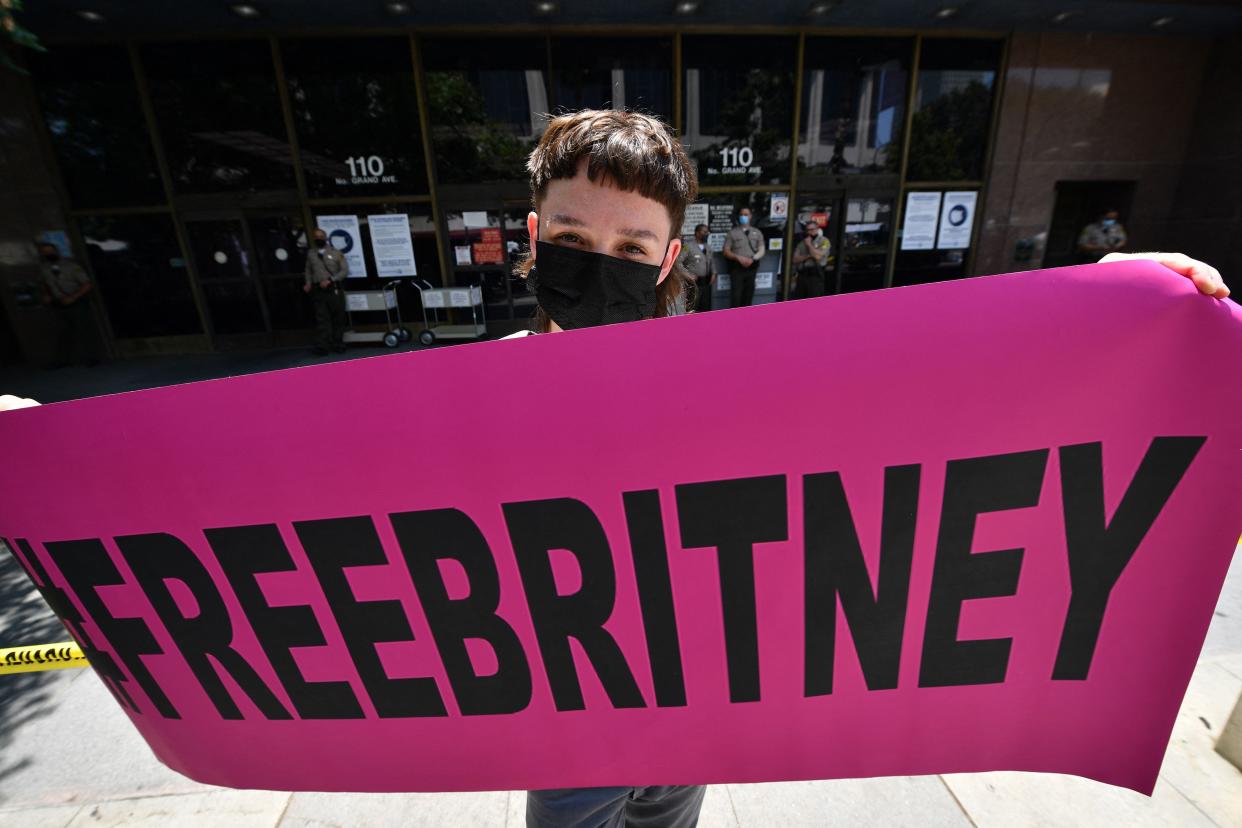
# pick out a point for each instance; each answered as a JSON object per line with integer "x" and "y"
{"x": 776, "y": 244}
{"x": 474, "y": 218}
{"x": 462, "y": 252}
{"x": 778, "y": 207}
{"x": 356, "y": 301}
{"x": 392, "y": 246}
{"x": 344, "y": 235}
{"x": 918, "y": 230}
{"x": 433, "y": 298}
{"x": 715, "y": 241}
{"x": 723, "y": 282}
{"x": 957, "y": 218}
{"x": 763, "y": 281}
{"x": 459, "y": 298}
{"x": 696, "y": 214}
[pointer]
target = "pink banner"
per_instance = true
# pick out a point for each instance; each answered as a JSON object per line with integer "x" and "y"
{"x": 962, "y": 527}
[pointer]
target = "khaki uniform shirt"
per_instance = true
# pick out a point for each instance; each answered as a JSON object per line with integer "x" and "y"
{"x": 1099, "y": 235}
{"x": 63, "y": 278}
{"x": 695, "y": 260}
{"x": 326, "y": 263}
{"x": 745, "y": 241}
{"x": 804, "y": 258}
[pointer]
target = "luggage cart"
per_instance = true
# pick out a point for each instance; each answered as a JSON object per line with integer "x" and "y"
{"x": 435, "y": 299}
{"x": 383, "y": 300}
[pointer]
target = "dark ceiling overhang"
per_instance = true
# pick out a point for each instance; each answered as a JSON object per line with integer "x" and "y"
{"x": 56, "y": 19}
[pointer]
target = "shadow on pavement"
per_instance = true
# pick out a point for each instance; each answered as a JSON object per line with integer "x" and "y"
{"x": 24, "y": 697}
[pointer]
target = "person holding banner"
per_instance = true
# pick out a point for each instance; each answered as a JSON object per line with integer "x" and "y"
{"x": 609, "y": 191}
{"x": 326, "y": 270}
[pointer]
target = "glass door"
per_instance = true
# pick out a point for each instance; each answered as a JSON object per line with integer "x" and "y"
{"x": 866, "y": 234}
{"x": 224, "y": 262}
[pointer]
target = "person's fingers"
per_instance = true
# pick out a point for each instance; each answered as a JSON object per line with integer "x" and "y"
{"x": 8, "y": 402}
{"x": 1206, "y": 278}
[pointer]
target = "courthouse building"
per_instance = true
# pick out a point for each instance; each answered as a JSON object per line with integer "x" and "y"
{"x": 182, "y": 150}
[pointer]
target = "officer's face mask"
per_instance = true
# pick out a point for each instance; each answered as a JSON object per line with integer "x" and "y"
{"x": 1109, "y": 222}
{"x": 579, "y": 288}
{"x": 320, "y": 242}
{"x": 743, "y": 220}
{"x": 51, "y": 256}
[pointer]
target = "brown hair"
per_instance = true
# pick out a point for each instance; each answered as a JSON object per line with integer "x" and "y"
{"x": 631, "y": 151}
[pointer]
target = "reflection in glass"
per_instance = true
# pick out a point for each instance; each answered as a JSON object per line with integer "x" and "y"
{"x": 280, "y": 258}
{"x": 219, "y": 115}
{"x": 279, "y": 245}
{"x": 853, "y": 104}
{"x": 356, "y": 113}
{"x": 614, "y": 73}
{"x": 142, "y": 278}
{"x": 225, "y": 270}
{"x": 90, "y": 104}
{"x": 738, "y": 99}
{"x": 864, "y": 243}
{"x": 486, "y": 101}
{"x": 953, "y": 108}
{"x": 234, "y": 307}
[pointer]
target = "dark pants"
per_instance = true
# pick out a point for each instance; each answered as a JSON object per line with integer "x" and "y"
{"x": 329, "y": 317}
{"x": 811, "y": 283}
{"x": 703, "y": 295}
{"x": 675, "y": 806}
{"x": 742, "y": 285}
{"x": 75, "y": 340}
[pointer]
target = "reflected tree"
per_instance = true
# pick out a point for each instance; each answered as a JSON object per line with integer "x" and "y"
{"x": 469, "y": 146}
{"x": 948, "y": 136}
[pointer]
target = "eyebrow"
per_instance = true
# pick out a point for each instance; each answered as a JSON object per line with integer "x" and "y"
{"x": 628, "y": 232}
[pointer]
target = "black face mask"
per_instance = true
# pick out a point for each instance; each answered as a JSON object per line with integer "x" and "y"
{"x": 51, "y": 257}
{"x": 579, "y": 289}
{"x": 320, "y": 242}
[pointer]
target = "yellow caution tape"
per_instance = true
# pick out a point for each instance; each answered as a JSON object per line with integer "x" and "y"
{"x": 41, "y": 657}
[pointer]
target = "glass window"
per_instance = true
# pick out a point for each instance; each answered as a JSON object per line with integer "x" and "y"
{"x": 356, "y": 113}
{"x": 280, "y": 254}
{"x": 864, "y": 243}
{"x": 952, "y": 109}
{"x": 486, "y": 100}
{"x": 141, "y": 275}
{"x": 738, "y": 101}
{"x": 226, "y": 274}
{"x": 90, "y": 104}
{"x": 614, "y": 73}
{"x": 853, "y": 104}
{"x": 947, "y": 260}
{"x": 219, "y": 115}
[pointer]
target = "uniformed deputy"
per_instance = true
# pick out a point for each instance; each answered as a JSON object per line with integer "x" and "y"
{"x": 1100, "y": 237}
{"x": 696, "y": 260}
{"x": 65, "y": 288}
{"x": 810, "y": 263}
{"x": 326, "y": 269}
{"x": 744, "y": 247}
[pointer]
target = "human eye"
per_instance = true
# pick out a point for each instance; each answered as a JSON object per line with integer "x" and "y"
{"x": 632, "y": 249}
{"x": 567, "y": 238}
